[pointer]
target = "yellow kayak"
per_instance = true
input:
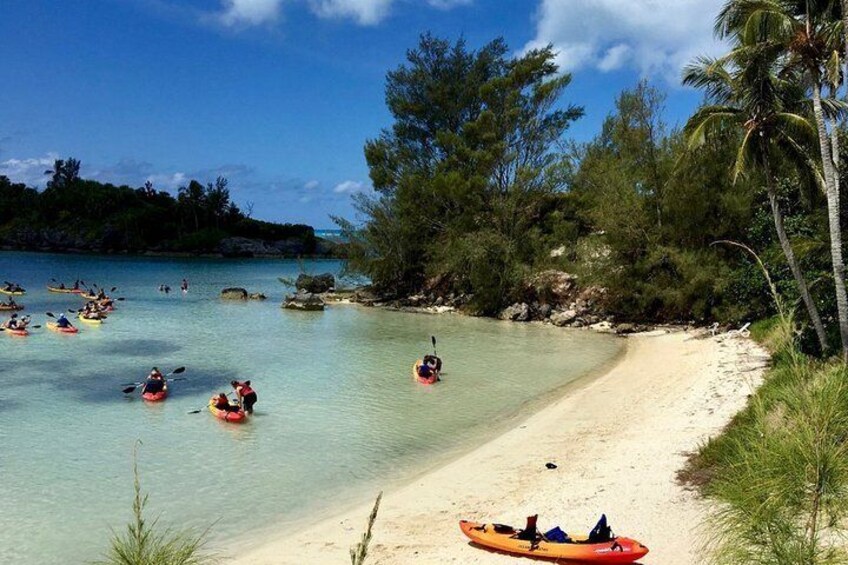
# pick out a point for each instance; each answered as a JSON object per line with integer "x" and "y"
{"x": 13, "y": 292}
{"x": 63, "y": 290}
{"x": 94, "y": 321}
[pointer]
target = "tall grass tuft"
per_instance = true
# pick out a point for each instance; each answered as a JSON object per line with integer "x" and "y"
{"x": 359, "y": 552}
{"x": 778, "y": 475}
{"x": 145, "y": 543}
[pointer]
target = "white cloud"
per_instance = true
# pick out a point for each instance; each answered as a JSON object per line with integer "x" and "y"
{"x": 650, "y": 36}
{"x": 168, "y": 181}
{"x": 349, "y": 186}
{"x": 249, "y": 12}
{"x": 448, "y": 4}
{"x": 312, "y": 185}
{"x": 365, "y": 12}
{"x": 28, "y": 171}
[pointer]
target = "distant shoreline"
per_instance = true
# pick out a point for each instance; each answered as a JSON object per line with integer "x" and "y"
{"x": 168, "y": 254}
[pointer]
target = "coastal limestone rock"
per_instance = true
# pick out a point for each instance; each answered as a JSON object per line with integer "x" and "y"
{"x": 561, "y": 319}
{"x": 257, "y": 296}
{"x": 552, "y": 287}
{"x": 234, "y": 293}
{"x": 302, "y": 300}
{"x": 316, "y": 284}
{"x": 516, "y": 313}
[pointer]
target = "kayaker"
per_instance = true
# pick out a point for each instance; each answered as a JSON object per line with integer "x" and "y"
{"x": 425, "y": 371}
{"x": 246, "y": 395}
{"x": 434, "y": 362}
{"x": 11, "y": 302}
{"x": 101, "y": 295}
{"x": 155, "y": 382}
{"x": 223, "y": 403}
{"x": 63, "y": 322}
{"x": 184, "y": 286}
{"x": 23, "y": 323}
{"x": 76, "y": 284}
{"x": 11, "y": 323}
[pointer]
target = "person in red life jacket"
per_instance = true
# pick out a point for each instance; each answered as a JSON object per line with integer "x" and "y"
{"x": 246, "y": 395}
{"x": 223, "y": 403}
{"x": 155, "y": 382}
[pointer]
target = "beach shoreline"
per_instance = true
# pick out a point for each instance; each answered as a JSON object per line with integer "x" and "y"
{"x": 617, "y": 439}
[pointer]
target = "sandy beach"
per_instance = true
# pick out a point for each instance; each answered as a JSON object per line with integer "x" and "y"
{"x": 617, "y": 441}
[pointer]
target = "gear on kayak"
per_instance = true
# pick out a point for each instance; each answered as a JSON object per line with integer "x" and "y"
{"x": 599, "y": 546}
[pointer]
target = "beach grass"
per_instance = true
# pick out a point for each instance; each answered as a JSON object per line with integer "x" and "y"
{"x": 145, "y": 542}
{"x": 777, "y": 476}
{"x": 359, "y": 552}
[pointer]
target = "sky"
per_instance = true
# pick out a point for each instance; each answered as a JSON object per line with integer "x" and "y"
{"x": 279, "y": 96}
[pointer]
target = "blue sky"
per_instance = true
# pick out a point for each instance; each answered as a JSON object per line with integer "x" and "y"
{"x": 280, "y": 95}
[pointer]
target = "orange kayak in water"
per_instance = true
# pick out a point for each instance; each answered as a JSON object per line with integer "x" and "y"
{"x": 423, "y": 380}
{"x": 234, "y": 417}
{"x": 577, "y": 548}
{"x": 156, "y": 396}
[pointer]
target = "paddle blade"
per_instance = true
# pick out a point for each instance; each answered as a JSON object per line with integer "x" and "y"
{"x": 114, "y": 288}
{"x": 35, "y": 327}
{"x": 178, "y": 370}
{"x": 50, "y": 314}
{"x": 195, "y": 411}
{"x": 129, "y": 389}
{"x": 433, "y": 339}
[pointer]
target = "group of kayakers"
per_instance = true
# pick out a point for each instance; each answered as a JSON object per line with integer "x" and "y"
{"x": 245, "y": 395}
{"x": 15, "y": 323}
{"x": 429, "y": 367}
{"x": 12, "y": 288}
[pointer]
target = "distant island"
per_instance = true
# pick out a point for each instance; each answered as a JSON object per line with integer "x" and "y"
{"x": 76, "y": 215}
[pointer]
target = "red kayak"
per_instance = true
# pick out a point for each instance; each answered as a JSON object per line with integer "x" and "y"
{"x": 155, "y": 396}
{"x": 235, "y": 417}
{"x": 424, "y": 380}
{"x": 14, "y": 332}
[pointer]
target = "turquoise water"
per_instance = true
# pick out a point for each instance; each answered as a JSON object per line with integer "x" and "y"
{"x": 339, "y": 416}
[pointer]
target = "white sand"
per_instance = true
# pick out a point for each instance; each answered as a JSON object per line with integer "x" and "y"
{"x": 618, "y": 441}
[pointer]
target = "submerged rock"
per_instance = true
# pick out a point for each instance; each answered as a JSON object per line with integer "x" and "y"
{"x": 315, "y": 284}
{"x": 257, "y": 296}
{"x": 303, "y": 301}
{"x": 234, "y": 293}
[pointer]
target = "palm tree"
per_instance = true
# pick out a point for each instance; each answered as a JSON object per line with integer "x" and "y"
{"x": 745, "y": 92}
{"x": 809, "y": 33}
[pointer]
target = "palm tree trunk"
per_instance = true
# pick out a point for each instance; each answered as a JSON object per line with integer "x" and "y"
{"x": 833, "y": 219}
{"x": 786, "y": 246}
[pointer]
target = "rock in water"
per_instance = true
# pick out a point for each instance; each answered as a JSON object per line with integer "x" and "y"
{"x": 303, "y": 301}
{"x": 234, "y": 293}
{"x": 257, "y": 296}
{"x": 315, "y": 284}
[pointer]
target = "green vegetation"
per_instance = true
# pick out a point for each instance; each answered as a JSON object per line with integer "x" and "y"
{"x": 477, "y": 184}
{"x": 146, "y": 543}
{"x": 359, "y": 552}
{"x": 779, "y": 472}
{"x": 72, "y": 213}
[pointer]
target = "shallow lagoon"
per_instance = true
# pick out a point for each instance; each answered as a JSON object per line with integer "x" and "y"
{"x": 339, "y": 416}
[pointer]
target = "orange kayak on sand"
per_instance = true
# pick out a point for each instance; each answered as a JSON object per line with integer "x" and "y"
{"x": 423, "y": 380}
{"x": 576, "y": 549}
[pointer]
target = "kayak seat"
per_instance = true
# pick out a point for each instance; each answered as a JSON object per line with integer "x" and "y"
{"x": 503, "y": 529}
{"x": 601, "y": 532}
{"x": 556, "y": 535}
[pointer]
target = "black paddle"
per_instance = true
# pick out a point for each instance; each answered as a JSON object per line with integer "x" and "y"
{"x": 433, "y": 339}
{"x": 132, "y": 386}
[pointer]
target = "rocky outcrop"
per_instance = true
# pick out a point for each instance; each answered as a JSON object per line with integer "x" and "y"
{"x": 516, "y": 313}
{"x": 302, "y": 300}
{"x": 551, "y": 287}
{"x": 234, "y": 293}
{"x": 315, "y": 284}
{"x": 257, "y": 296}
